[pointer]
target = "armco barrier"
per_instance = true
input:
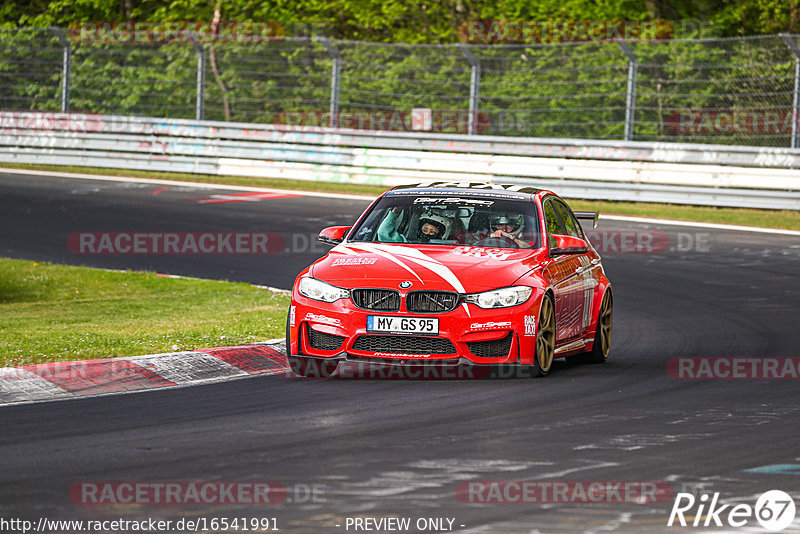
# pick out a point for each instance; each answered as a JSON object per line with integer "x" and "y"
{"x": 653, "y": 172}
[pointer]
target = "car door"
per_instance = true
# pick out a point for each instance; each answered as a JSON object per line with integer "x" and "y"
{"x": 580, "y": 289}
{"x": 563, "y": 272}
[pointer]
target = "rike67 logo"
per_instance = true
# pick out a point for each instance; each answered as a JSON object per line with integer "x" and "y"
{"x": 774, "y": 510}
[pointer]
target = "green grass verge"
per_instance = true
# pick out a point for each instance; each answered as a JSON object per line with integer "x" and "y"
{"x": 59, "y": 313}
{"x": 788, "y": 220}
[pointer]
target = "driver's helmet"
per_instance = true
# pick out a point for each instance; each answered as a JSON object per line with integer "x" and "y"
{"x": 442, "y": 223}
{"x": 515, "y": 221}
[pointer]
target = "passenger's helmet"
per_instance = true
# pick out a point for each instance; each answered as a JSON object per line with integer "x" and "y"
{"x": 442, "y": 223}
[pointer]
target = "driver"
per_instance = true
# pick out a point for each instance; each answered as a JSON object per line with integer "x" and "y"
{"x": 509, "y": 227}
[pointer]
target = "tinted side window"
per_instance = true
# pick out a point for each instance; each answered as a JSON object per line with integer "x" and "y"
{"x": 566, "y": 216}
{"x": 553, "y": 223}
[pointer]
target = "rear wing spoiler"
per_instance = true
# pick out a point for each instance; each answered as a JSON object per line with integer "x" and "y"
{"x": 589, "y": 215}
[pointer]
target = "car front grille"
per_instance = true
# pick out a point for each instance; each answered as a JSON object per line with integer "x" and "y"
{"x": 404, "y": 344}
{"x": 323, "y": 341}
{"x": 497, "y": 348}
{"x": 376, "y": 299}
{"x": 431, "y": 301}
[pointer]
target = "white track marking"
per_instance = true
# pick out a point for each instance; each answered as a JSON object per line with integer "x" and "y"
{"x": 127, "y": 179}
{"x": 732, "y": 227}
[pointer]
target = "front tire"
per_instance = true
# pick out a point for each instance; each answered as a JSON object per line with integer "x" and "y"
{"x": 308, "y": 367}
{"x": 545, "y": 338}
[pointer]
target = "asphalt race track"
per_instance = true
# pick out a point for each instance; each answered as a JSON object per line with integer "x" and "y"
{"x": 400, "y": 448}
{"x": 39, "y": 215}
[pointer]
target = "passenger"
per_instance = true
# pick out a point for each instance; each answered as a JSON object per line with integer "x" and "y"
{"x": 432, "y": 226}
{"x": 387, "y": 230}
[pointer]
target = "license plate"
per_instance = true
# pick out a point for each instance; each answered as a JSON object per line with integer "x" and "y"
{"x": 403, "y": 325}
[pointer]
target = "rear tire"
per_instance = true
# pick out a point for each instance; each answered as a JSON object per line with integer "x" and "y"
{"x": 602, "y": 336}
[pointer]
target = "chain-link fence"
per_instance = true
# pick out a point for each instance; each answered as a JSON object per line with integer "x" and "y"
{"x": 741, "y": 91}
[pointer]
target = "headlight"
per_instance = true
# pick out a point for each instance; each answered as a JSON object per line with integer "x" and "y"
{"x": 318, "y": 290}
{"x": 501, "y": 298}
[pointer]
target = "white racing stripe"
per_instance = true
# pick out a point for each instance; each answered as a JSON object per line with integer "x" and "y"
{"x": 381, "y": 253}
{"x": 391, "y": 251}
{"x": 413, "y": 255}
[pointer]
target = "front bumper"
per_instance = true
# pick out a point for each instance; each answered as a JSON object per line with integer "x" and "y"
{"x": 467, "y": 334}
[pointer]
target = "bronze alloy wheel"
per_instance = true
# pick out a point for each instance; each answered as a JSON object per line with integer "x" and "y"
{"x": 602, "y": 336}
{"x": 545, "y": 338}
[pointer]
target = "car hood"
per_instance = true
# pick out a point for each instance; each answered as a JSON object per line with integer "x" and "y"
{"x": 463, "y": 269}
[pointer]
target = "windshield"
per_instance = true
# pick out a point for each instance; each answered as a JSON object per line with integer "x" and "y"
{"x": 451, "y": 218}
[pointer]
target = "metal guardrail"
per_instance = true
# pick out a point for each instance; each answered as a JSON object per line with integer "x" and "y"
{"x": 653, "y": 172}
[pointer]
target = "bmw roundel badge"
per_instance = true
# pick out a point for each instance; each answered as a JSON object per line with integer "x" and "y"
{"x": 405, "y": 285}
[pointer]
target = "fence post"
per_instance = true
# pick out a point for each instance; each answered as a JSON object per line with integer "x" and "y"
{"x": 630, "y": 100}
{"x": 66, "y": 66}
{"x": 200, "y": 105}
{"x": 792, "y": 44}
{"x": 474, "y": 87}
{"x": 336, "y": 76}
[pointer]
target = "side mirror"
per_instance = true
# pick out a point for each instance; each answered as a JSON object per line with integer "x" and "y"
{"x": 567, "y": 244}
{"x": 333, "y": 235}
